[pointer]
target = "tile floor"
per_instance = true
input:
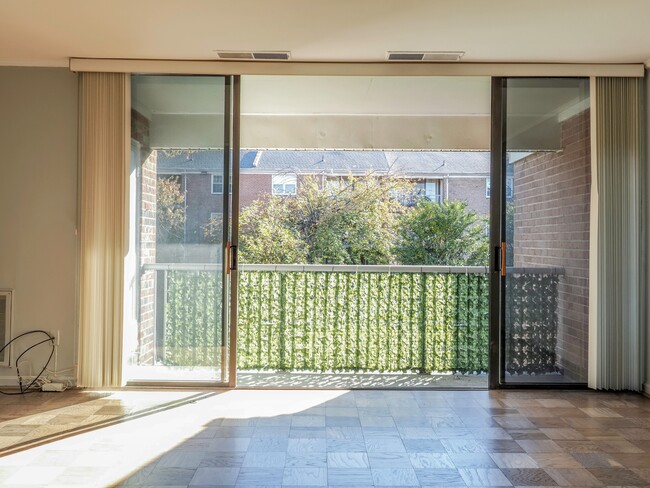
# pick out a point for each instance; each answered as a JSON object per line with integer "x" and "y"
{"x": 333, "y": 438}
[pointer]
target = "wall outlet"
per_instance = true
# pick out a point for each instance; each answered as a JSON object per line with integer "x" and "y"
{"x": 53, "y": 387}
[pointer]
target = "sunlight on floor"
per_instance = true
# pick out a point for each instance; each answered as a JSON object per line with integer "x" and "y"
{"x": 332, "y": 438}
{"x": 115, "y": 452}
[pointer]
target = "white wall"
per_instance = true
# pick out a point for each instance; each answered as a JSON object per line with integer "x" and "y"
{"x": 38, "y": 205}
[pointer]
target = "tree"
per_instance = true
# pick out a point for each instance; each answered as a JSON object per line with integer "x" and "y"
{"x": 351, "y": 222}
{"x": 170, "y": 210}
{"x": 268, "y": 234}
{"x": 444, "y": 234}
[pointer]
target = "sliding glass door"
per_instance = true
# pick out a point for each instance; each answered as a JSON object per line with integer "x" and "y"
{"x": 542, "y": 176}
{"x": 177, "y": 326}
{"x": 180, "y": 286}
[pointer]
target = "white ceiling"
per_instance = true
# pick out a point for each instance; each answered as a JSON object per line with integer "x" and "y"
{"x": 47, "y": 33}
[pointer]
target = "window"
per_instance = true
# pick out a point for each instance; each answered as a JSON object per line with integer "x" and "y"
{"x": 285, "y": 184}
{"x": 510, "y": 187}
{"x": 217, "y": 184}
{"x": 335, "y": 183}
{"x": 430, "y": 189}
{"x": 216, "y": 216}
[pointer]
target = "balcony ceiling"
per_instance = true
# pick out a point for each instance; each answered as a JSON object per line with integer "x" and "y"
{"x": 47, "y": 33}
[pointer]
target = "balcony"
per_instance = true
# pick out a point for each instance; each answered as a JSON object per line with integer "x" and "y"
{"x": 319, "y": 324}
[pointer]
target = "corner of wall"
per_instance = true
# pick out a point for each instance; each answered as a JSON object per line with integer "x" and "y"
{"x": 646, "y": 222}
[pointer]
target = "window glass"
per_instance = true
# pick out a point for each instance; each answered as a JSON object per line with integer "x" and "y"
{"x": 284, "y": 184}
{"x": 217, "y": 184}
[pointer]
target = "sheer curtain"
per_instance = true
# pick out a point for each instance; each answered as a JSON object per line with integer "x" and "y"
{"x": 104, "y": 126}
{"x": 619, "y": 354}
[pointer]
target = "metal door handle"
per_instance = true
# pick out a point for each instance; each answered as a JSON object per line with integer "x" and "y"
{"x": 233, "y": 261}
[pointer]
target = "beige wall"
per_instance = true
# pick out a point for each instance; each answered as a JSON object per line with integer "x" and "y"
{"x": 646, "y": 386}
{"x": 38, "y": 204}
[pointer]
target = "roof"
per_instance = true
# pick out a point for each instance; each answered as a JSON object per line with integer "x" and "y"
{"x": 332, "y": 162}
{"x": 198, "y": 161}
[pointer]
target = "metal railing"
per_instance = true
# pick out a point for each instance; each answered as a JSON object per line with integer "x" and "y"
{"x": 355, "y": 318}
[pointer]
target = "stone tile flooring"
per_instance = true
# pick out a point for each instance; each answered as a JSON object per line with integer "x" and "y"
{"x": 329, "y": 438}
{"x": 27, "y": 420}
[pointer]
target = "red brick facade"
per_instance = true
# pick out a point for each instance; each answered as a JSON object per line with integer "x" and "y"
{"x": 552, "y": 213}
{"x": 253, "y": 186}
{"x": 147, "y": 240}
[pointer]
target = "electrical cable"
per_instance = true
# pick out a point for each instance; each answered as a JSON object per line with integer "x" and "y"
{"x": 50, "y": 338}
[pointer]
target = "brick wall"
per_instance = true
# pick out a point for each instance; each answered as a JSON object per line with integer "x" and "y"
{"x": 552, "y": 212}
{"x": 252, "y": 187}
{"x": 200, "y": 202}
{"x": 471, "y": 190}
{"x": 147, "y": 240}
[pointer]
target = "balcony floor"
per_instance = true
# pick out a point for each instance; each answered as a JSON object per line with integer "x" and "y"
{"x": 346, "y": 381}
{"x": 336, "y": 381}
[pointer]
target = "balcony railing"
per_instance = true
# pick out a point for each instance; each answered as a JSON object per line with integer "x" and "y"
{"x": 346, "y": 318}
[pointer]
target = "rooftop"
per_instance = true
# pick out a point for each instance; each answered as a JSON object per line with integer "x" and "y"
{"x": 409, "y": 163}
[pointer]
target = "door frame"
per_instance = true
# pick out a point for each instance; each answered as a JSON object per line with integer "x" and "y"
{"x": 497, "y": 267}
{"x": 233, "y": 263}
{"x": 229, "y": 240}
{"x": 496, "y": 372}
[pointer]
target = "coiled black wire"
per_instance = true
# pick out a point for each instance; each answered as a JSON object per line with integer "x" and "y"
{"x": 27, "y": 389}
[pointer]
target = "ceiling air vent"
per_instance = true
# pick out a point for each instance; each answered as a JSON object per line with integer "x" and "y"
{"x": 254, "y": 55}
{"x": 425, "y": 56}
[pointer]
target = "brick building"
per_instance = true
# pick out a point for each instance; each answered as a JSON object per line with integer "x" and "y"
{"x": 438, "y": 175}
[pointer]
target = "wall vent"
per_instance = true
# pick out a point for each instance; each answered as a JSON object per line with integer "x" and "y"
{"x": 5, "y": 324}
{"x": 254, "y": 55}
{"x": 425, "y": 56}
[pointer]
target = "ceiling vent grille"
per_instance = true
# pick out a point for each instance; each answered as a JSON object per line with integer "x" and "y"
{"x": 254, "y": 55}
{"x": 425, "y": 56}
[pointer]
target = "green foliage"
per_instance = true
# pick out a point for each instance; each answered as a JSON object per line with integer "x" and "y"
{"x": 268, "y": 234}
{"x": 192, "y": 318}
{"x": 444, "y": 234}
{"x": 336, "y": 321}
{"x": 213, "y": 229}
{"x": 170, "y": 210}
{"x": 360, "y": 220}
{"x": 351, "y": 223}
{"x": 390, "y": 322}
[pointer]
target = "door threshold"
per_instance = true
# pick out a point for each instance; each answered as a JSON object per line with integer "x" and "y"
{"x": 178, "y": 384}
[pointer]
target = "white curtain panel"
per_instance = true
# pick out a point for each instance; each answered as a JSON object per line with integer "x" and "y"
{"x": 104, "y": 133}
{"x": 620, "y": 175}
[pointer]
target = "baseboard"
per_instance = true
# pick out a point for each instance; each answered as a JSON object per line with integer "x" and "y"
{"x": 646, "y": 389}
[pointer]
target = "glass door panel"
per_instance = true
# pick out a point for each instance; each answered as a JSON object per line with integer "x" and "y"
{"x": 545, "y": 179}
{"x": 177, "y": 329}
